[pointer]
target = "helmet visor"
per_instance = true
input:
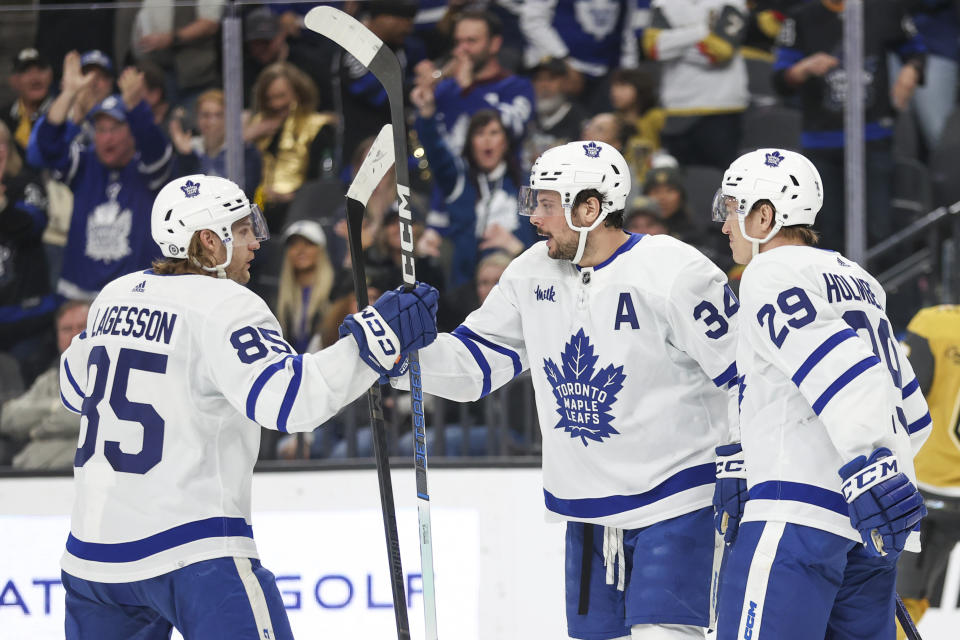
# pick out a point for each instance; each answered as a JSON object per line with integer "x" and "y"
{"x": 259, "y": 223}
{"x": 723, "y": 206}
{"x": 539, "y": 202}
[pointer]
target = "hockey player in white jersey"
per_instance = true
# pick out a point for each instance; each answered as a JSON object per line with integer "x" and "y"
{"x": 630, "y": 341}
{"x": 173, "y": 377}
{"x": 830, "y": 418}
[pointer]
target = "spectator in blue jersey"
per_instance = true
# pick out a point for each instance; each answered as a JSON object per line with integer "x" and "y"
{"x": 206, "y": 153}
{"x": 98, "y": 74}
{"x": 360, "y": 96}
{"x": 479, "y": 188}
{"x": 114, "y": 180}
{"x": 26, "y": 302}
{"x": 473, "y": 79}
{"x": 809, "y": 64}
{"x": 593, "y": 38}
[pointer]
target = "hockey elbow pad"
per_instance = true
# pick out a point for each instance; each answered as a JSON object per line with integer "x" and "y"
{"x": 730, "y": 491}
{"x": 884, "y": 505}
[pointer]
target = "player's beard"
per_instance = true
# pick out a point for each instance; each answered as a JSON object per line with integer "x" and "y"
{"x": 564, "y": 249}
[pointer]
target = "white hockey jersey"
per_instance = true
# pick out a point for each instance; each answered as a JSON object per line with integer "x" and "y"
{"x": 173, "y": 375}
{"x": 633, "y": 369}
{"x": 822, "y": 381}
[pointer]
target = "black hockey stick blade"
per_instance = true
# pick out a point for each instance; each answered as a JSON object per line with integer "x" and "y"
{"x": 369, "y": 50}
{"x": 375, "y": 165}
{"x": 906, "y": 622}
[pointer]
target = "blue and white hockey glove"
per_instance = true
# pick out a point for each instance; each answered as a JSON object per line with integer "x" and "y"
{"x": 730, "y": 492}
{"x": 884, "y": 504}
{"x": 397, "y": 323}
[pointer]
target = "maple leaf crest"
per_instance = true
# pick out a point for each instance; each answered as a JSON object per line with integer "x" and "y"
{"x": 584, "y": 395}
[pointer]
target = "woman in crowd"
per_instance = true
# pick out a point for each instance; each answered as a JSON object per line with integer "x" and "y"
{"x": 296, "y": 142}
{"x": 480, "y": 188}
{"x": 306, "y": 280}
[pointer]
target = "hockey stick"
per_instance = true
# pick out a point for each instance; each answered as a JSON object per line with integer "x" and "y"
{"x": 906, "y": 622}
{"x": 375, "y": 165}
{"x": 368, "y": 49}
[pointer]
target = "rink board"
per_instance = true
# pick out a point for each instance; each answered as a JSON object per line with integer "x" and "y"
{"x": 499, "y": 566}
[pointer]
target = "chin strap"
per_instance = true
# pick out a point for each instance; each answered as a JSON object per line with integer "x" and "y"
{"x": 583, "y": 231}
{"x": 756, "y": 242}
{"x": 220, "y": 269}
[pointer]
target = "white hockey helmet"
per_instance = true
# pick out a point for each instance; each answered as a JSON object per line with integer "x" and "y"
{"x": 786, "y": 178}
{"x": 192, "y": 203}
{"x": 575, "y": 167}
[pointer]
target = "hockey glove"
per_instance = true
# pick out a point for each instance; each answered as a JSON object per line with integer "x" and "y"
{"x": 730, "y": 492}
{"x": 397, "y": 323}
{"x": 726, "y": 34}
{"x": 884, "y": 505}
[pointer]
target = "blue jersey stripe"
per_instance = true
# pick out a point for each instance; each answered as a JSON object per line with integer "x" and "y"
{"x": 481, "y": 361}
{"x": 800, "y": 492}
{"x": 292, "y": 389}
{"x": 820, "y": 353}
{"x": 729, "y": 375}
{"x": 690, "y": 478}
{"x": 913, "y": 427}
{"x": 843, "y": 381}
{"x": 73, "y": 383}
{"x": 910, "y": 388}
{"x": 140, "y": 549}
{"x": 465, "y": 332}
{"x": 259, "y": 383}
{"x": 69, "y": 406}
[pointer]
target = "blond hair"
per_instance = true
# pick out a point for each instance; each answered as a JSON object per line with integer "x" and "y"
{"x": 211, "y": 95}
{"x": 195, "y": 260}
{"x": 290, "y": 300}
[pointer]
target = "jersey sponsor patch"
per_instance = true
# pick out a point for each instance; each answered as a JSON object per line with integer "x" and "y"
{"x": 584, "y": 395}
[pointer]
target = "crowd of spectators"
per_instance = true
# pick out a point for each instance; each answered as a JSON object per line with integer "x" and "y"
{"x": 101, "y": 118}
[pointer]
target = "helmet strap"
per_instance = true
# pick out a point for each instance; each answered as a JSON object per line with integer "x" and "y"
{"x": 219, "y": 269}
{"x": 756, "y": 242}
{"x": 583, "y": 231}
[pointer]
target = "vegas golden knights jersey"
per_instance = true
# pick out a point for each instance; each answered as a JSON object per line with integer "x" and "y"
{"x": 933, "y": 344}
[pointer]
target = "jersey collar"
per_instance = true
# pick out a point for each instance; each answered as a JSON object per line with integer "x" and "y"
{"x": 626, "y": 246}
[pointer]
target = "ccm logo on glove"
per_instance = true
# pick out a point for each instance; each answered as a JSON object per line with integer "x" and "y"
{"x": 375, "y": 329}
{"x": 869, "y": 476}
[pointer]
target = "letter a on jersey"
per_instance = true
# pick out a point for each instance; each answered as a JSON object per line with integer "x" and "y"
{"x": 584, "y": 395}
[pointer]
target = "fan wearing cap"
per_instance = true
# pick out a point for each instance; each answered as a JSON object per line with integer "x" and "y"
{"x": 818, "y": 496}
{"x": 114, "y": 178}
{"x": 30, "y": 81}
{"x": 178, "y": 369}
{"x": 306, "y": 280}
{"x": 629, "y": 340}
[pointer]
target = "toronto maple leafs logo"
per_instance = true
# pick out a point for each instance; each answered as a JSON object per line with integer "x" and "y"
{"x": 584, "y": 395}
{"x": 774, "y": 159}
{"x": 592, "y": 149}
{"x": 191, "y": 189}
